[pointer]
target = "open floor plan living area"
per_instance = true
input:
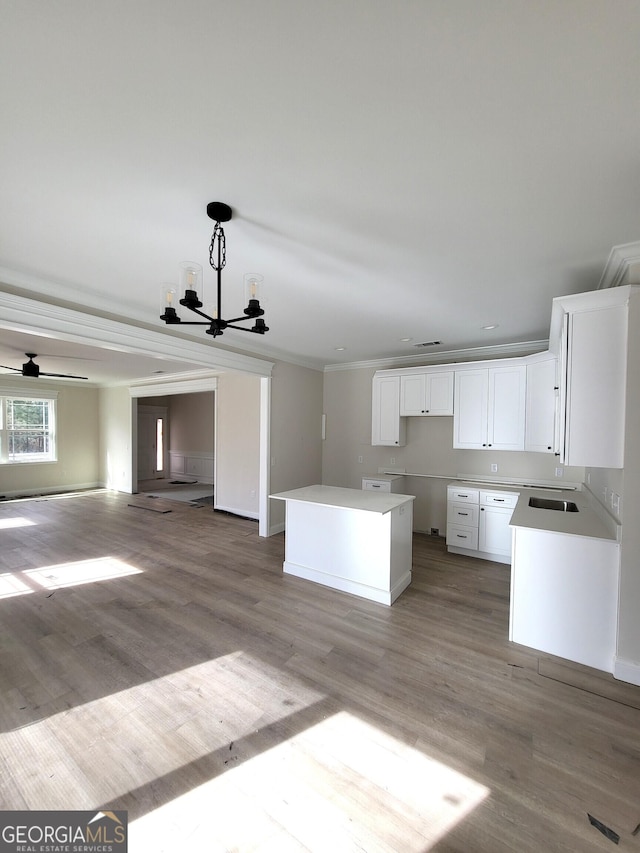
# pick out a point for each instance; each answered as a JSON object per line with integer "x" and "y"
{"x": 162, "y": 663}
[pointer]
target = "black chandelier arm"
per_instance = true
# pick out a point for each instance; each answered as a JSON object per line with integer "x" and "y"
{"x": 242, "y": 319}
{"x": 191, "y": 322}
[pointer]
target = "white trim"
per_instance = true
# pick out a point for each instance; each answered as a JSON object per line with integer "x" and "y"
{"x": 36, "y": 492}
{"x": 446, "y": 357}
{"x": 620, "y": 259}
{"x": 181, "y": 385}
{"x": 626, "y": 670}
{"x": 265, "y": 455}
{"x": 242, "y": 513}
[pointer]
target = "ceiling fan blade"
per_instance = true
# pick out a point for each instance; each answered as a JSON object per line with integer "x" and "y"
{"x": 63, "y": 375}
{"x": 6, "y": 367}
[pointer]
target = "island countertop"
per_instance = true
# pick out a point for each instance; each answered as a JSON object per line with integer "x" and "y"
{"x": 356, "y": 499}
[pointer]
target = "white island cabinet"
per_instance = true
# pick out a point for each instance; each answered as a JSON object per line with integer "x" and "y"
{"x": 349, "y": 539}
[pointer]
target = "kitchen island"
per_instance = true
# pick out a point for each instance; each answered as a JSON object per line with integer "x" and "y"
{"x": 348, "y": 539}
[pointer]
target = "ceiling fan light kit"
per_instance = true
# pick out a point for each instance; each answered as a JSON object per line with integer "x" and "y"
{"x": 191, "y": 286}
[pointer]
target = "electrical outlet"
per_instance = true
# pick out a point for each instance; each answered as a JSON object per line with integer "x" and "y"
{"x": 359, "y": 458}
{"x": 559, "y": 472}
{"x": 494, "y": 468}
{"x": 435, "y": 531}
{"x": 393, "y": 460}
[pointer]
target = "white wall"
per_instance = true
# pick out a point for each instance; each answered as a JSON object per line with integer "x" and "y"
{"x": 628, "y": 621}
{"x": 296, "y": 432}
{"x": 429, "y": 450}
{"x": 238, "y": 444}
{"x": 191, "y": 422}
{"x": 118, "y": 434}
{"x": 77, "y": 465}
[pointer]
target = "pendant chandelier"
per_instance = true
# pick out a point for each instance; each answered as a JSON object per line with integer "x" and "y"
{"x": 191, "y": 283}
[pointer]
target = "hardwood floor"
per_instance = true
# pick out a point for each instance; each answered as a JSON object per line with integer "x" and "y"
{"x": 181, "y": 676}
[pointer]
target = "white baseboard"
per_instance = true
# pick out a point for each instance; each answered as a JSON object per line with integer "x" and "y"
{"x": 243, "y": 513}
{"x": 276, "y": 528}
{"x": 36, "y": 491}
{"x": 626, "y": 670}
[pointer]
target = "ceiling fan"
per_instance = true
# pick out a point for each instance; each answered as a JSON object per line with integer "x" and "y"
{"x": 30, "y": 368}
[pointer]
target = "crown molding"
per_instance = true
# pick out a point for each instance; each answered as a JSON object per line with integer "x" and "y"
{"x": 621, "y": 259}
{"x": 447, "y": 357}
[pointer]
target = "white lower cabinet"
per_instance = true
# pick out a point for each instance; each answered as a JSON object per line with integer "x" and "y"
{"x": 390, "y": 483}
{"x": 564, "y": 596}
{"x": 478, "y": 522}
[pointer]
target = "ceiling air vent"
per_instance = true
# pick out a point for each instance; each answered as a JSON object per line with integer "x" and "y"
{"x": 428, "y": 344}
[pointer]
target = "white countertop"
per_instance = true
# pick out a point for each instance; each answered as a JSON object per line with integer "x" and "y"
{"x": 356, "y": 499}
{"x": 586, "y": 522}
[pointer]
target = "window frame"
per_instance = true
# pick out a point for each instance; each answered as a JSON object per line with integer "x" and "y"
{"x": 48, "y": 397}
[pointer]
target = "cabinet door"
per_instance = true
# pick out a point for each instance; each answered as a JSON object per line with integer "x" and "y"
{"x": 429, "y": 393}
{"x": 542, "y": 399}
{"x": 387, "y": 427}
{"x": 439, "y": 393}
{"x": 494, "y": 533}
{"x": 413, "y": 394}
{"x": 596, "y": 387}
{"x": 507, "y": 399}
{"x": 471, "y": 394}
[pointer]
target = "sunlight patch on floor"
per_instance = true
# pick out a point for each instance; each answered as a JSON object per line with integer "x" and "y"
{"x": 341, "y": 784}
{"x": 81, "y": 571}
{"x": 8, "y": 523}
{"x": 11, "y": 584}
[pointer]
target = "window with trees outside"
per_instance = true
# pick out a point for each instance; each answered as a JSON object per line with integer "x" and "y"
{"x": 27, "y": 429}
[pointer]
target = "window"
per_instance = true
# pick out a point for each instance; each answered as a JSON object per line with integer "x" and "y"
{"x": 27, "y": 429}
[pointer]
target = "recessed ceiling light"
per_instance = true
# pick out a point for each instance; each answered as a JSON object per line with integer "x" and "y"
{"x": 405, "y": 340}
{"x": 339, "y": 349}
{"x": 492, "y": 326}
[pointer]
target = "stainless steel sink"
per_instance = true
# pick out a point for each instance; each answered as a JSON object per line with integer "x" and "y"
{"x": 550, "y": 503}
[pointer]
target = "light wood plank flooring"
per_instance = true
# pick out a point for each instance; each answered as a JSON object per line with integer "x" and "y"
{"x": 228, "y": 707}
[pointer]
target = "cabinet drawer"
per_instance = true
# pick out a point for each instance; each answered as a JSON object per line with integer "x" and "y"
{"x": 506, "y": 499}
{"x": 462, "y": 537}
{"x": 469, "y": 496}
{"x": 376, "y": 485}
{"x": 465, "y": 514}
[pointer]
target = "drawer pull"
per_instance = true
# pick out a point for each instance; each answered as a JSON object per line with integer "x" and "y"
{"x": 375, "y": 485}
{"x": 460, "y": 495}
{"x": 498, "y": 500}
{"x": 460, "y": 536}
{"x": 463, "y": 513}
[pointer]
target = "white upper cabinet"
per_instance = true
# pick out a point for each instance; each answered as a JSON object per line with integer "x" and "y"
{"x": 387, "y": 427}
{"x": 594, "y": 394}
{"x": 489, "y": 408}
{"x": 542, "y": 401}
{"x": 424, "y": 394}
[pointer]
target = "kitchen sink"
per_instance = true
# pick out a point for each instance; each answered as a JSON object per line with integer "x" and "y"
{"x": 550, "y": 503}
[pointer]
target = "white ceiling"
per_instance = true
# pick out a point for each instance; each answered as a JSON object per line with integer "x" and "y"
{"x": 413, "y": 169}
